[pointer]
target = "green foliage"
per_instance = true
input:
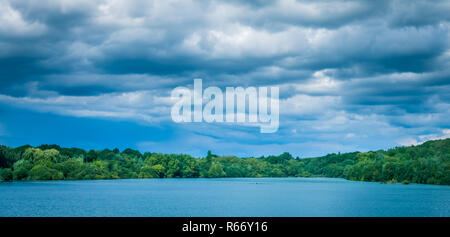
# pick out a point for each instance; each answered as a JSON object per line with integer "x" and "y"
{"x": 21, "y": 169}
{"x": 428, "y": 163}
{"x": 216, "y": 171}
{"x": 42, "y": 172}
{"x": 159, "y": 171}
{"x": 6, "y": 174}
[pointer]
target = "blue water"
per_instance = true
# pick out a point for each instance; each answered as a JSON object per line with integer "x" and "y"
{"x": 222, "y": 197}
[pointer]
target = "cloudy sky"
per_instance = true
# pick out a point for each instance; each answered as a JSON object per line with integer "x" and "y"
{"x": 353, "y": 75}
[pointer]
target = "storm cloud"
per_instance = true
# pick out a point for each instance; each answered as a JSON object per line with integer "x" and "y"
{"x": 353, "y": 75}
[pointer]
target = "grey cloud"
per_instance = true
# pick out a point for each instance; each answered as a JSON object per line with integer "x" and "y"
{"x": 125, "y": 39}
{"x": 419, "y": 13}
{"x": 376, "y": 58}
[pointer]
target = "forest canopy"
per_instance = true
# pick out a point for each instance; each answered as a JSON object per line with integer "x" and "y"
{"x": 428, "y": 163}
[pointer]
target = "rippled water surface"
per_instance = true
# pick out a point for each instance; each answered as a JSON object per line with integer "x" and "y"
{"x": 222, "y": 197}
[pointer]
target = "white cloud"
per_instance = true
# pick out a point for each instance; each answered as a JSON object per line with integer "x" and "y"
{"x": 445, "y": 133}
{"x": 301, "y": 104}
{"x": 139, "y": 106}
{"x": 236, "y": 41}
{"x": 12, "y": 23}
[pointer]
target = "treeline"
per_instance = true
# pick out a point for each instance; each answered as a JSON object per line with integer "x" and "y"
{"x": 428, "y": 163}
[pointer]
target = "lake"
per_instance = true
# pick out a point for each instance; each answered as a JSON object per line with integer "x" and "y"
{"x": 222, "y": 197}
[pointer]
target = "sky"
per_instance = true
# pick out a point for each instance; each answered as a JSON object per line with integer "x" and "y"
{"x": 352, "y": 75}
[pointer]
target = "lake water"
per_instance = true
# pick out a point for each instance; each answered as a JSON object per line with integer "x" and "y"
{"x": 222, "y": 197}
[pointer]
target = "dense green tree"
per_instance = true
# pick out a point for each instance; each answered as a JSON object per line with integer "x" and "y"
{"x": 427, "y": 163}
{"x": 42, "y": 172}
{"x": 71, "y": 168}
{"x": 216, "y": 171}
{"x": 147, "y": 172}
{"x": 6, "y": 174}
{"x": 21, "y": 169}
{"x": 91, "y": 156}
{"x": 159, "y": 171}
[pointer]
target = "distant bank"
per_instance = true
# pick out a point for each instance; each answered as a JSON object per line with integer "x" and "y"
{"x": 428, "y": 163}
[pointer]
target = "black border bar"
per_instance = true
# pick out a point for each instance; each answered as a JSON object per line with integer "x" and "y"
{"x": 300, "y": 226}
